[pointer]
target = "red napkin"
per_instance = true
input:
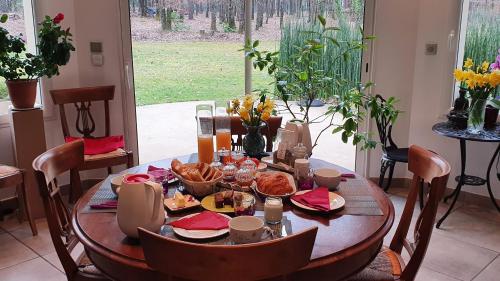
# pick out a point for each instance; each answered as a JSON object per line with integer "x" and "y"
{"x": 318, "y": 199}
{"x": 112, "y": 204}
{"x": 205, "y": 220}
{"x": 102, "y": 145}
{"x": 160, "y": 174}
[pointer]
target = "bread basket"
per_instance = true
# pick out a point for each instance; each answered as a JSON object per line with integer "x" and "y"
{"x": 198, "y": 189}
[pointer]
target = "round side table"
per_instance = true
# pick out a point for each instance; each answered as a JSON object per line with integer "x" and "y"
{"x": 493, "y": 135}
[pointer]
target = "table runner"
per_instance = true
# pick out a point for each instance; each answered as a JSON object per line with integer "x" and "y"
{"x": 103, "y": 194}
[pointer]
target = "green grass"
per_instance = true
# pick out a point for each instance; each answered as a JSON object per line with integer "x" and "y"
{"x": 3, "y": 89}
{"x": 483, "y": 36}
{"x": 191, "y": 71}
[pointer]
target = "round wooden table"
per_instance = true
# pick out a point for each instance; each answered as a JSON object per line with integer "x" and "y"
{"x": 344, "y": 243}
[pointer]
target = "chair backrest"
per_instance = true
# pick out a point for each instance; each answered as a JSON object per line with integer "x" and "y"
{"x": 48, "y": 166}
{"x": 269, "y": 132}
{"x": 384, "y": 127}
{"x": 227, "y": 262}
{"x": 82, "y": 99}
{"x": 431, "y": 168}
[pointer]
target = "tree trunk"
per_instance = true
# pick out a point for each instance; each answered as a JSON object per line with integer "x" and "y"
{"x": 208, "y": 9}
{"x": 230, "y": 14}
{"x": 281, "y": 13}
{"x": 260, "y": 14}
{"x": 142, "y": 8}
{"x": 190, "y": 9}
{"x": 241, "y": 16}
{"x": 166, "y": 19}
{"x": 213, "y": 16}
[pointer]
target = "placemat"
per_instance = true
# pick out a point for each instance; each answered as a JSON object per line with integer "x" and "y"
{"x": 282, "y": 229}
{"x": 358, "y": 198}
{"x": 103, "y": 194}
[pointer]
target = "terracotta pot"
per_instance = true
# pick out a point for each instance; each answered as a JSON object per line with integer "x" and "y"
{"x": 22, "y": 92}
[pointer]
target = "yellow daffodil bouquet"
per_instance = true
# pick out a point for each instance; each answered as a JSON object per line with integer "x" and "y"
{"x": 481, "y": 81}
{"x": 253, "y": 111}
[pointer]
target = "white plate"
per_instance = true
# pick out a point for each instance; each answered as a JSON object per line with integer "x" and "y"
{"x": 200, "y": 234}
{"x": 336, "y": 201}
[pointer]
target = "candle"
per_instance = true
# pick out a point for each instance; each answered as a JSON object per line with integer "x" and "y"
{"x": 273, "y": 210}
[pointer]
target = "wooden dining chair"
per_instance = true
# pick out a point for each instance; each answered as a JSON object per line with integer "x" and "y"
{"x": 391, "y": 153}
{"x": 48, "y": 166}
{"x": 194, "y": 261}
{"x": 14, "y": 177}
{"x": 388, "y": 265}
{"x": 82, "y": 99}
{"x": 269, "y": 132}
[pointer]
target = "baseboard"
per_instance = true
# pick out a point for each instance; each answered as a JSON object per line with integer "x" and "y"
{"x": 465, "y": 197}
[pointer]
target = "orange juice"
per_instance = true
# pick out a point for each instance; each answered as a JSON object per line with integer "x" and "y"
{"x": 223, "y": 138}
{"x": 205, "y": 149}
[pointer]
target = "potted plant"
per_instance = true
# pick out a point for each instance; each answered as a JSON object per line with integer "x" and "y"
{"x": 481, "y": 82}
{"x": 21, "y": 69}
{"x": 254, "y": 115}
{"x": 301, "y": 78}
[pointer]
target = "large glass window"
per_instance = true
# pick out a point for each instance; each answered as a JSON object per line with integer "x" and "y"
{"x": 19, "y": 23}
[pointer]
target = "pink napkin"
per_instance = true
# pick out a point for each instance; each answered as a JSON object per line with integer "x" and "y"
{"x": 346, "y": 176}
{"x": 317, "y": 198}
{"x": 205, "y": 220}
{"x": 160, "y": 174}
{"x": 93, "y": 146}
{"x": 112, "y": 204}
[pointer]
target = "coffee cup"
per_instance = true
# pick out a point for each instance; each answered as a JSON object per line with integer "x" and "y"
{"x": 247, "y": 229}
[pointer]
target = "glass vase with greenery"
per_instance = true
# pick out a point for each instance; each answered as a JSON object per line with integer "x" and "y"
{"x": 21, "y": 69}
{"x": 301, "y": 78}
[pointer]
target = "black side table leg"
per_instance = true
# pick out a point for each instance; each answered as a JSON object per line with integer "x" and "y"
{"x": 488, "y": 178}
{"x": 456, "y": 193}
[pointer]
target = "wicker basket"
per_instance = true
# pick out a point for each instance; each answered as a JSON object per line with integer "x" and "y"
{"x": 198, "y": 189}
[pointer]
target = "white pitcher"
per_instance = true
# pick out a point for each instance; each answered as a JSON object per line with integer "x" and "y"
{"x": 301, "y": 134}
{"x": 140, "y": 204}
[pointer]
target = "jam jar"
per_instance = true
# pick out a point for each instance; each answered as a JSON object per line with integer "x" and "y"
{"x": 244, "y": 177}
{"x": 229, "y": 172}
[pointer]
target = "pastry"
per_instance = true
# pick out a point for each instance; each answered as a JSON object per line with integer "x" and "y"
{"x": 219, "y": 200}
{"x": 274, "y": 184}
{"x": 228, "y": 197}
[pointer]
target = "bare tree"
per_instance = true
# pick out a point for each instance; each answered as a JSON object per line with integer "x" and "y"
{"x": 190, "y": 9}
{"x": 213, "y": 15}
{"x": 260, "y": 14}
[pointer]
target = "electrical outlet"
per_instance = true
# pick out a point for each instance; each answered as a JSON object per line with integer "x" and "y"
{"x": 431, "y": 49}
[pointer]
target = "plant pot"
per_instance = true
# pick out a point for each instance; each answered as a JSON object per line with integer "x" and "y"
{"x": 253, "y": 141}
{"x": 22, "y": 92}
{"x": 490, "y": 117}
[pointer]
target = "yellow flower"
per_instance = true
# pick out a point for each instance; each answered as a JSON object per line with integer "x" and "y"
{"x": 260, "y": 107}
{"x": 265, "y": 115}
{"x": 485, "y": 66}
{"x": 244, "y": 114}
{"x": 494, "y": 79}
{"x": 468, "y": 63}
{"x": 459, "y": 75}
{"x": 248, "y": 102}
{"x": 236, "y": 103}
{"x": 471, "y": 83}
{"x": 269, "y": 104}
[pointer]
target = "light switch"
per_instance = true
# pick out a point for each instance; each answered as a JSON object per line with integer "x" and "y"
{"x": 431, "y": 49}
{"x": 97, "y": 59}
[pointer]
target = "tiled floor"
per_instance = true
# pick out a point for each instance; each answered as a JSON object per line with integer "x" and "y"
{"x": 466, "y": 248}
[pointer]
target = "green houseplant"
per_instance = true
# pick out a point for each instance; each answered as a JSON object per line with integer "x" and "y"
{"x": 301, "y": 78}
{"x": 21, "y": 69}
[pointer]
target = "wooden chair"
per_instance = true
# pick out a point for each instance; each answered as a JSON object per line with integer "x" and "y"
{"x": 269, "y": 132}
{"x": 48, "y": 166}
{"x": 388, "y": 265}
{"x": 256, "y": 261}
{"x": 14, "y": 177}
{"x": 82, "y": 99}
{"x": 391, "y": 154}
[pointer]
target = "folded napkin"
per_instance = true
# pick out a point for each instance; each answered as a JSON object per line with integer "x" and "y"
{"x": 318, "y": 198}
{"x": 205, "y": 220}
{"x": 93, "y": 146}
{"x": 160, "y": 174}
{"x": 346, "y": 176}
{"x": 112, "y": 204}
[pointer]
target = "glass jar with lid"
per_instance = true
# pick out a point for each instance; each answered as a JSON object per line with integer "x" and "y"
{"x": 249, "y": 165}
{"x": 229, "y": 172}
{"x": 299, "y": 151}
{"x": 244, "y": 177}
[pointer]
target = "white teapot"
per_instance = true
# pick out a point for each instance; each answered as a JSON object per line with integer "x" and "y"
{"x": 140, "y": 204}
{"x": 301, "y": 134}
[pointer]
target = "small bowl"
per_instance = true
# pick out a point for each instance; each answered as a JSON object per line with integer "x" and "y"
{"x": 116, "y": 182}
{"x": 329, "y": 178}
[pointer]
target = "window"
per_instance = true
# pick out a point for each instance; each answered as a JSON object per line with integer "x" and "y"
{"x": 20, "y": 22}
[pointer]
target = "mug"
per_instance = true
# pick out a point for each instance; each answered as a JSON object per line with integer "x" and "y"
{"x": 247, "y": 229}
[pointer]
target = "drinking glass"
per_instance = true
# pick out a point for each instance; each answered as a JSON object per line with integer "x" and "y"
{"x": 223, "y": 132}
{"x": 273, "y": 210}
{"x": 204, "y": 118}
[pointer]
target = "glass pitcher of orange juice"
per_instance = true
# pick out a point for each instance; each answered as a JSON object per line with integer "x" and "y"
{"x": 204, "y": 120}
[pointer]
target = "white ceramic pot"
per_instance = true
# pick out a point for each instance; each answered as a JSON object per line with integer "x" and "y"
{"x": 301, "y": 134}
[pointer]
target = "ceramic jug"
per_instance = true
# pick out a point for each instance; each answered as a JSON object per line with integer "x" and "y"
{"x": 301, "y": 134}
{"x": 140, "y": 204}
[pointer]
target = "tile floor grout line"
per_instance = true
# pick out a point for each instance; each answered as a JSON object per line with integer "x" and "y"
{"x": 475, "y": 276}
{"x": 467, "y": 242}
{"x": 52, "y": 264}
{"x": 24, "y": 244}
{"x": 19, "y": 263}
{"x": 443, "y": 273}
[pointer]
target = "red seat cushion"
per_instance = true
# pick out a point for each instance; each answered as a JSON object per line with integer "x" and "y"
{"x": 93, "y": 146}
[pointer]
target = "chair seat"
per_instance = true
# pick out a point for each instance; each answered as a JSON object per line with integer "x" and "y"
{"x": 398, "y": 154}
{"x": 388, "y": 265}
{"x": 85, "y": 265}
{"x": 8, "y": 170}
{"x": 116, "y": 153}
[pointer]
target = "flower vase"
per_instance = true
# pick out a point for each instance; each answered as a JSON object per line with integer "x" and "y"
{"x": 253, "y": 141}
{"x": 475, "y": 123}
